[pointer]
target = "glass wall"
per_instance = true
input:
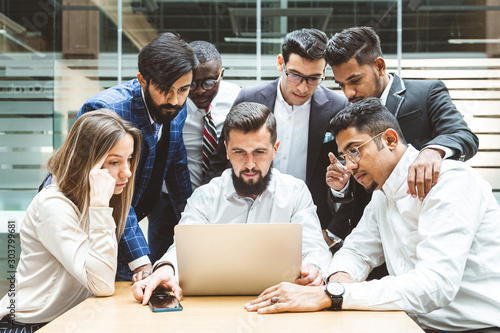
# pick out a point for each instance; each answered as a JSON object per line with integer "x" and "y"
{"x": 55, "y": 54}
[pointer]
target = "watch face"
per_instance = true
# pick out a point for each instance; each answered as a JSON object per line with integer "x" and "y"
{"x": 335, "y": 289}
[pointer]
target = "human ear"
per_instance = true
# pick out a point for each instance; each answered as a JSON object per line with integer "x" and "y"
{"x": 391, "y": 138}
{"x": 142, "y": 80}
{"x": 275, "y": 148}
{"x": 280, "y": 62}
{"x": 380, "y": 66}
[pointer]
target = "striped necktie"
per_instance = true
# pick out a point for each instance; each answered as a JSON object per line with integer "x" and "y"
{"x": 209, "y": 140}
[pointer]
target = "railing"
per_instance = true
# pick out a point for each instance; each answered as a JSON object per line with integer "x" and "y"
{"x": 39, "y": 98}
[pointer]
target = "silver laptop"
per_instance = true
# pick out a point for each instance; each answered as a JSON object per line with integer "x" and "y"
{"x": 237, "y": 259}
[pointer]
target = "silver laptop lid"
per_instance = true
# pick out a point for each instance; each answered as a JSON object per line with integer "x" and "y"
{"x": 237, "y": 259}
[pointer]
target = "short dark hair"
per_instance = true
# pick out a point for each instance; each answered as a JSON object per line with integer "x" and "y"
{"x": 360, "y": 42}
{"x": 368, "y": 116}
{"x": 165, "y": 59}
{"x": 205, "y": 52}
{"x": 307, "y": 43}
{"x": 250, "y": 117}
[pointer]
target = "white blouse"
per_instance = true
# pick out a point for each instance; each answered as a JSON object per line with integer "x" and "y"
{"x": 62, "y": 261}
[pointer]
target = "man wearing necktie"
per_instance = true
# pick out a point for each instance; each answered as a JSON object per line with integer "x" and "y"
{"x": 210, "y": 99}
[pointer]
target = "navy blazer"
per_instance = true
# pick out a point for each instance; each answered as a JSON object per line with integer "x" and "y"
{"x": 427, "y": 116}
{"x": 126, "y": 100}
{"x": 324, "y": 105}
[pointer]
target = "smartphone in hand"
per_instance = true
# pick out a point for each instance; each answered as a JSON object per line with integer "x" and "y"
{"x": 164, "y": 302}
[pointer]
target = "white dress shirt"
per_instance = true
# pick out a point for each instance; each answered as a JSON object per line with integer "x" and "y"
{"x": 63, "y": 260}
{"x": 285, "y": 200}
{"x": 193, "y": 128}
{"x": 292, "y": 123}
{"x": 442, "y": 253}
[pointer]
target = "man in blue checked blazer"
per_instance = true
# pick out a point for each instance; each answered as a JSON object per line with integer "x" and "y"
{"x": 155, "y": 103}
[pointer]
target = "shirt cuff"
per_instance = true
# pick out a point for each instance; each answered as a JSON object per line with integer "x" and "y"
{"x": 163, "y": 263}
{"x": 341, "y": 194}
{"x": 447, "y": 151}
{"x": 333, "y": 236}
{"x": 141, "y": 261}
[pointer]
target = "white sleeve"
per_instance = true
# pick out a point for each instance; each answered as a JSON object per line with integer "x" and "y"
{"x": 314, "y": 248}
{"x": 90, "y": 257}
{"x": 448, "y": 221}
{"x": 362, "y": 248}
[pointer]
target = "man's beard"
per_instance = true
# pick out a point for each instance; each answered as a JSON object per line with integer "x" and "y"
{"x": 156, "y": 110}
{"x": 251, "y": 187}
{"x": 373, "y": 186}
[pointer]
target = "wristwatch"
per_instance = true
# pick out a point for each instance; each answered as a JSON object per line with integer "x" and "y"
{"x": 335, "y": 290}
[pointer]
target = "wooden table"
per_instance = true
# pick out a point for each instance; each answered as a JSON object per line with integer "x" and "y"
{"x": 122, "y": 313}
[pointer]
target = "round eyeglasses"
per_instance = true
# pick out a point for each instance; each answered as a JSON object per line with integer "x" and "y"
{"x": 207, "y": 84}
{"x": 352, "y": 154}
{"x": 298, "y": 79}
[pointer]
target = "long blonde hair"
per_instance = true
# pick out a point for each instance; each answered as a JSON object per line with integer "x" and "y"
{"x": 92, "y": 136}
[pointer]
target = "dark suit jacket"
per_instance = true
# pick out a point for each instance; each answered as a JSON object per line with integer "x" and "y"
{"x": 427, "y": 116}
{"x": 324, "y": 105}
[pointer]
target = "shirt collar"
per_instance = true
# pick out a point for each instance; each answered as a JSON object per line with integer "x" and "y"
{"x": 399, "y": 175}
{"x": 194, "y": 108}
{"x": 385, "y": 94}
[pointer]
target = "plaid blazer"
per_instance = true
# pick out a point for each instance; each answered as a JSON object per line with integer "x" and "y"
{"x": 126, "y": 100}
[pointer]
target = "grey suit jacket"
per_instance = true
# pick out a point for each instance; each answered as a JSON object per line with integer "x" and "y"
{"x": 324, "y": 105}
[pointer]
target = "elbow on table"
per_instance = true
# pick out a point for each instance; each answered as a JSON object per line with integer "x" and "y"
{"x": 102, "y": 289}
{"x": 434, "y": 301}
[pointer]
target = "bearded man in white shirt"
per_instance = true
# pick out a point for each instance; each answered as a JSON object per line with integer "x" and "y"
{"x": 210, "y": 99}
{"x": 251, "y": 191}
{"x": 441, "y": 253}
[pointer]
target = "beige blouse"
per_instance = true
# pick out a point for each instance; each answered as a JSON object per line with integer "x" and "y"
{"x": 62, "y": 261}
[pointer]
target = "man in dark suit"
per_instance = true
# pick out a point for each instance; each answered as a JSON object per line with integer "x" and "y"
{"x": 428, "y": 119}
{"x": 302, "y": 108}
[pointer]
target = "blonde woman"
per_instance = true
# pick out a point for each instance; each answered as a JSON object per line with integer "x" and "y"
{"x": 70, "y": 233}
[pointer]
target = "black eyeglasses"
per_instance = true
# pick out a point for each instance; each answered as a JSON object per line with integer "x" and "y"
{"x": 207, "y": 84}
{"x": 296, "y": 78}
{"x": 352, "y": 154}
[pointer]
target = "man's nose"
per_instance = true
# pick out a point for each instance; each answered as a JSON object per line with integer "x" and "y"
{"x": 350, "y": 165}
{"x": 172, "y": 97}
{"x": 349, "y": 92}
{"x": 302, "y": 87}
{"x": 249, "y": 162}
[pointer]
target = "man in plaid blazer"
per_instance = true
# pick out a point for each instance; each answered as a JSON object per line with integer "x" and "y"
{"x": 155, "y": 103}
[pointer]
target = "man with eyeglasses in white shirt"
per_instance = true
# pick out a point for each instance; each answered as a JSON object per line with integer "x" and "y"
{"x": 441, "y": 252}
{"x": 210, "y": 99}
{"x": 425, "y": 112}
{"x": 302, "y": 108}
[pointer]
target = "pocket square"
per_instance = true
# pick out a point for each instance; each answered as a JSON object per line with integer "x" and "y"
{"x": 328, "y": 137}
